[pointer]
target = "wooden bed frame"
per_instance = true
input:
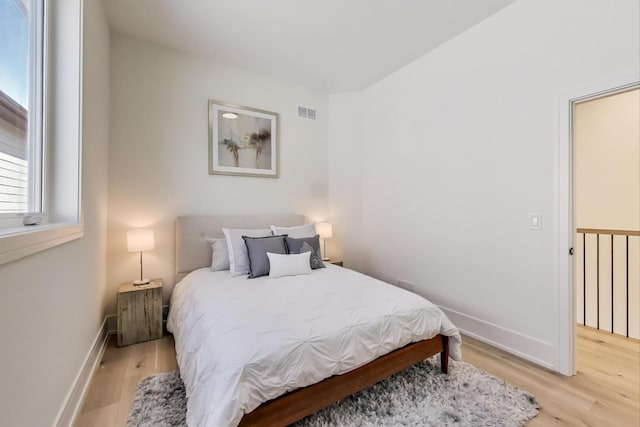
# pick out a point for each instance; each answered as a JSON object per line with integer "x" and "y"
{"x": 297, "y": 404}
{"x": 193, "y": 251}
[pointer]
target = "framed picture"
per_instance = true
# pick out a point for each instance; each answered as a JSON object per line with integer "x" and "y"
{"x": 242, "y": 141}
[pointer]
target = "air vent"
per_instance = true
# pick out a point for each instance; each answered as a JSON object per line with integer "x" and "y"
{"x": 311, "y": 113}
{"x": 307, "y": 113}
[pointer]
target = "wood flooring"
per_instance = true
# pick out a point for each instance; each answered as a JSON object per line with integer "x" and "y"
{"x": 110, "y": 395}
{"x": 606, "y": 391}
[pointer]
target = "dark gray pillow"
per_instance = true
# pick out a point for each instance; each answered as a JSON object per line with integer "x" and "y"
{"x": 257, "y": 248}
{"x": 306, "y": 244}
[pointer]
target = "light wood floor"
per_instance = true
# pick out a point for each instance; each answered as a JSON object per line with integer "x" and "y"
{"x": 606, "y": 391}
{"x": 110, "y": 395}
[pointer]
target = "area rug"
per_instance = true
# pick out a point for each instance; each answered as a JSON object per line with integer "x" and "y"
{"x": 418, "y": 396}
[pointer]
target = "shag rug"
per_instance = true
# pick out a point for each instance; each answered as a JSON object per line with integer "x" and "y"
{"x": 418, "y": 396}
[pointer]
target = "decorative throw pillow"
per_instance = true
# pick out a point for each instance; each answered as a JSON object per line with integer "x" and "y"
{"x": 257, "y": 248}
{"x": 238, "y": 258}
{"x": 308, "y": 230}
{"x": 306, "y": 244}
{"x": 288, "y": 265}
{"x": 219, "y": 255}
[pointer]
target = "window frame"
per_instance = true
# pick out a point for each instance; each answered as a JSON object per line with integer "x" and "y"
{"x": 31, "y": 120}
{"x": 60, "y": 124}
{"x": 37, "y": 97}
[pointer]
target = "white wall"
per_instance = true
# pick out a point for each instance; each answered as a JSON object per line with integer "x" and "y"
{"x": 459, "y": 147}
{"x": 95, "y": 132}
{"x": 345, "y": 179}
{"x": 607, "y": 159}
{"x": 607, "y": 196}
{"x": 158, "y": 151}
{"x": 52, "y": 302}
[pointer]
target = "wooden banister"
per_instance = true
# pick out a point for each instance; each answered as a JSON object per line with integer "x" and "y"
{"x": 606, "y": 231}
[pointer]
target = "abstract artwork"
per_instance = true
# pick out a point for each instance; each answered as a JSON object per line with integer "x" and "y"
{"x": 242, "y": 141}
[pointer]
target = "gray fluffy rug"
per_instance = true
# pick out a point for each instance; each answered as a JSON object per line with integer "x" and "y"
{"x": 418, "y": 396}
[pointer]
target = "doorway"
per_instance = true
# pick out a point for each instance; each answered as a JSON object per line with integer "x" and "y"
{"x": 567, "y": 243}
{"x": 606, "y": 152}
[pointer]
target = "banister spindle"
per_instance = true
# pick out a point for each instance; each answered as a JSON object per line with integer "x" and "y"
{"x": 584, "y": 279}
{"x": 627, "y": 239}
{"x": 598, "y": 280}
{"x": 612, "y": 283}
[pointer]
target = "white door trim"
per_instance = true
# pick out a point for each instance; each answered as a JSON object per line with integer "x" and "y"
{"x": 564, "y": 234}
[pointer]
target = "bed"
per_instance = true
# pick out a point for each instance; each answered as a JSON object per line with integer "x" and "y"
{"x": 272, "y": 351}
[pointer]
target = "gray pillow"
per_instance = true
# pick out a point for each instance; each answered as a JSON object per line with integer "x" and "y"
{"x": 238, "y": 259}
{"x": 306, "y": 244}
{"x": 257, "y": 248}
{"x": 219, "y": 254}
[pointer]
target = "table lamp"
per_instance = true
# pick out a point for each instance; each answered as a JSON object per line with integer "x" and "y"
{"x": 325, "y": 230}
{"x": 140, "y": 241}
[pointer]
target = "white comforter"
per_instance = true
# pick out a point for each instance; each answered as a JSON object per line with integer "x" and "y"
{"x": 241, "y": 342}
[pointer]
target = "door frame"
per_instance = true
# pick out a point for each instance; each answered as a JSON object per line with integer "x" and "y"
{"x": 565, "y": 227}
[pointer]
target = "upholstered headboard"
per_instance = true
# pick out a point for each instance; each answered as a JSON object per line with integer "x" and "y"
{"x": 192, "y": 249}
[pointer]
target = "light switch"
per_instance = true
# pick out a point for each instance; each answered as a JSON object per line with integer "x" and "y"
{"x": 535, "y": 221}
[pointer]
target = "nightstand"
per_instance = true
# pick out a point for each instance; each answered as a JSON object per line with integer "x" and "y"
{"x": 337, "y": 262}
{"x": 139, "y": 312}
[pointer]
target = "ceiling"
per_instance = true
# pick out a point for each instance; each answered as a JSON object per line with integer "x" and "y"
{"x": 328, "y": 45}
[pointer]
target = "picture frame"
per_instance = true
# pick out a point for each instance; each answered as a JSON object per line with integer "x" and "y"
{"x": 243, "y": 141}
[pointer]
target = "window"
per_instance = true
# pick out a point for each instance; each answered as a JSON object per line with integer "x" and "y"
{"x": 21, "y": 108}
{"x": 40, "y": 124}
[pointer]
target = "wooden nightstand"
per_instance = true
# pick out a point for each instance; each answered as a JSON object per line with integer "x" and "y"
{"x": 337, "y": 262}
{"x": 139, "y": 312}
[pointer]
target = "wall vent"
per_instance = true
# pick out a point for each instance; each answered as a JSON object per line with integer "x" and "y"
{"x": 307, "y": 113}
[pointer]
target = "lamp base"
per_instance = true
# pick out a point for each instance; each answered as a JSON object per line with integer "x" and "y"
{"x": 326, "y": 258}
{"x": 139, "y": 282}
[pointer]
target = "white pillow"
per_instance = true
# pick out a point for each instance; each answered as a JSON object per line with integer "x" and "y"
{"x": 298, "y": 232}
{"x": 238, "y": 257}
{"x": 288, "y": 265}
{"x": 219, "y": 255}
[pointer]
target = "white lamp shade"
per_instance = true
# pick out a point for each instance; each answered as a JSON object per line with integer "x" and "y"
{"x": 140, "y": 240}
{"x": 324, "y": 229}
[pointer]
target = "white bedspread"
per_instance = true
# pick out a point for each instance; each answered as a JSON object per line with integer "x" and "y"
{"x": 241, "y": 342}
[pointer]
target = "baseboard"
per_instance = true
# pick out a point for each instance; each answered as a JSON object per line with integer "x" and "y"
{"x": 75, "y": 398}
{"x": 526, "y": 347}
